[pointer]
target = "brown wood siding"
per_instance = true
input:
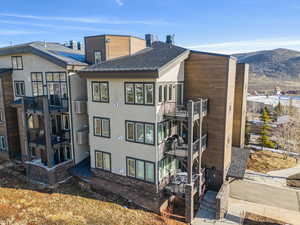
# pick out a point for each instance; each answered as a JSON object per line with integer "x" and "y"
{"x": 208, "y": 76}
{"x": 136, "y": 45}
{"x": 117, "y": 46}
{"x": 240, "y": 105}
{"x": 92, "y": 44}
{"x": 11, "y": 120}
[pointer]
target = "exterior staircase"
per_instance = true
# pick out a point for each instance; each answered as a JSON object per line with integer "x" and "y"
{"x": 208, "y": 205}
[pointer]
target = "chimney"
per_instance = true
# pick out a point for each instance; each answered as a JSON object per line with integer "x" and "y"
{"x": 170, "y": 39}
{"x": 149, "y": 39}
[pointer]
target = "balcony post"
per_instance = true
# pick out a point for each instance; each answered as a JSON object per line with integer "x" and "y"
{"x": 49, "y": 150}
{"x": 190, "y": 108}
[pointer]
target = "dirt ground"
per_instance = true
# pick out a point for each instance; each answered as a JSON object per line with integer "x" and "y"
{"x": 253, "y": 219}
{"x": 22, "y": 203}
{"x": 266, "y": 161}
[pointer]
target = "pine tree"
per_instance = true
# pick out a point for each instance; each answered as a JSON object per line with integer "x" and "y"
{"x": 265, "y": 130}
{"x": 279, "y": 110}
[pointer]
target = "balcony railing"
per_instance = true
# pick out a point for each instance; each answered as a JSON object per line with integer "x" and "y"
{"x": 172, "y": 148}
{"x": 34, "y": 103}
{"x": 180, "y": 112}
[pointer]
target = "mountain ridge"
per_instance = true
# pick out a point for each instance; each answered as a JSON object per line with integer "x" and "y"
{"x": 278, "y": 63}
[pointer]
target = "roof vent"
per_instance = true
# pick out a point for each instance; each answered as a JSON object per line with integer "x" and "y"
{"x": 149, "y": 39}
{"x": 170, "y": 39}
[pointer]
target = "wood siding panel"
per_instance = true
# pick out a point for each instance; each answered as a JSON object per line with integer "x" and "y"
{"x": 240, "y": 105}
{"x": 208, "y": 76}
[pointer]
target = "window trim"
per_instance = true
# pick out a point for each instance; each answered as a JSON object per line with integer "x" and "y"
{"x": 15, "y": 88}
{"x": 37, "y": 82}
{"x": 15, "y": 57}
{"x": 101, "y": 118}
{"x": 97, "y": 51}
{"x": 99, "y": 82}
{"x": 145, "y": 173}
{"x": 134, "y": 130}
{"x": 60, "y": 86}
{"x": 169, "y": 125}
{"x": 134, "y": 96}
{"x": 110, "y": 162}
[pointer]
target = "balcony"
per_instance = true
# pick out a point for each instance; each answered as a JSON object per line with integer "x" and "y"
{"x": 36, "y": 137}
{"x": 180, "y": 179}
{"x": 173, "y": 111}
{"x": 60, "y": 137}
{"x": 173, "y": 149}
{"x": 34, "y": 104}
{"x": 58, "y": 104}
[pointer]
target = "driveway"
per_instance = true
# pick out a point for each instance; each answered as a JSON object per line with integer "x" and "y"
{"x": 265, "y": 194}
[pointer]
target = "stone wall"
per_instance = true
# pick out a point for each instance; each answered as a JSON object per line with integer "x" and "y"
{"x": 48, "y": 176}
{"x": 222, "y": 201}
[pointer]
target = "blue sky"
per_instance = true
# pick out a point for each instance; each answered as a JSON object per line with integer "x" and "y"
{"x": 225, "y": 26}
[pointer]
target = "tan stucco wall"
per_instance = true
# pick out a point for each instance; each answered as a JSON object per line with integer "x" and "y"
{"x": 118, "y": 112}
{"x": 31, "y": 63}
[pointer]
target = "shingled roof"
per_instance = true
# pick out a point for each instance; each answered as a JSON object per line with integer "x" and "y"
{"x": 148, "y": 59}
{"x": 54, "y": 52}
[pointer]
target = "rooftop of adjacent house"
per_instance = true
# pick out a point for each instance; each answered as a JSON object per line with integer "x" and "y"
{"x": 152, "y": 58}
{"x": 55, "y": 52}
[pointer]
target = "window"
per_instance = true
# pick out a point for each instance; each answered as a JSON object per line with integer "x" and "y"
{"x": 179, "y": 94}
{"x": 37, "y": 84}
{"x": 140, "y": 169}
{"x": 160, "y": 93}
{"x": 1, "y": 116}
{"x": 65, "y": 122}
{"x": 164, "y": 130}
{"x": 57, "y": 88}
{"x": 165, "y": 93}
{"x": 139, "y": 93}
{"x": 170, "y": 92}
{"x": 2, "y": 143}
{"x": 102, "y": 127}
{"x": 167, "y": 165}
{"x": 97, "y": 56}
{"x": 140, "y": 132}
{"x": 100, "y": 91}
{"x": 103, "y": 160}
{"x": 19, "y": 88}
{"x": 17, "y": 62}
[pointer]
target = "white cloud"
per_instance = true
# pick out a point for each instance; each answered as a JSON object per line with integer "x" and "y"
{"x": 119, "y": 2}
{"x": 65, "y": 27}
{"x": 18, "y": 32}
{"x": 91, "y": 20}
{"x": 247, "y": 46}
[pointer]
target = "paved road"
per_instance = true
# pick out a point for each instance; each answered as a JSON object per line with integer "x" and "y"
{"x": 265, "y": 194}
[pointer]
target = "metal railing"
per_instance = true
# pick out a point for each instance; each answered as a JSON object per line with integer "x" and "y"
{"x": 34, "y": 103}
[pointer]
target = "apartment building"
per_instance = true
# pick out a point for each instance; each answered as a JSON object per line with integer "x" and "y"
{"x": 161, "y": 117}
{"x": 37, "y": 105}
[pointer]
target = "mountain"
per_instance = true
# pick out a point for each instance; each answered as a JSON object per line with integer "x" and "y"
{"x": 278, "y": 63}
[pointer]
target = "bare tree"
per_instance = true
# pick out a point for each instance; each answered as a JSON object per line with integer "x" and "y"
{"x": 287, "y": 134}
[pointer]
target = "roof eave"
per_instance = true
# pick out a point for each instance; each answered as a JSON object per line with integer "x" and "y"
{"x": 125, "y": 74}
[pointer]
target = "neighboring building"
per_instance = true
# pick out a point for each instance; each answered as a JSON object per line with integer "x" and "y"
{"x": 161, "y": 118}
{"x": 39, "y": 86}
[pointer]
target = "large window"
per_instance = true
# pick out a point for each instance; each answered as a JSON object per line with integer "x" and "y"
{"x": 100, "y": 91}
{"x": 2, "y": 143}
{"x": 140, "y": 132}
{"x": 167, "y": 166}
{"x": 103, "y": 160}
{"x": 17, "y": 62}
{"x": 37, "y": 83}
{"x": 19, "y": 88}
{"x": 102, "y": 127}
{"x": 140, "y": 169}
{"x": 164, "y": 130}
{"x": 57, "y": 88}
{"x": 139, "y": 93}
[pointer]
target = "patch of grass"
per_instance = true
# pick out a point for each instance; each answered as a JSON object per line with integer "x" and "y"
{"x": 26, "y": 204}
{"x": 266, "y": 161}
{"x": 253, "y": 219}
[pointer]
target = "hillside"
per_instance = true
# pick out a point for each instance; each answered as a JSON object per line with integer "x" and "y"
{"x": 278, "y": 63}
